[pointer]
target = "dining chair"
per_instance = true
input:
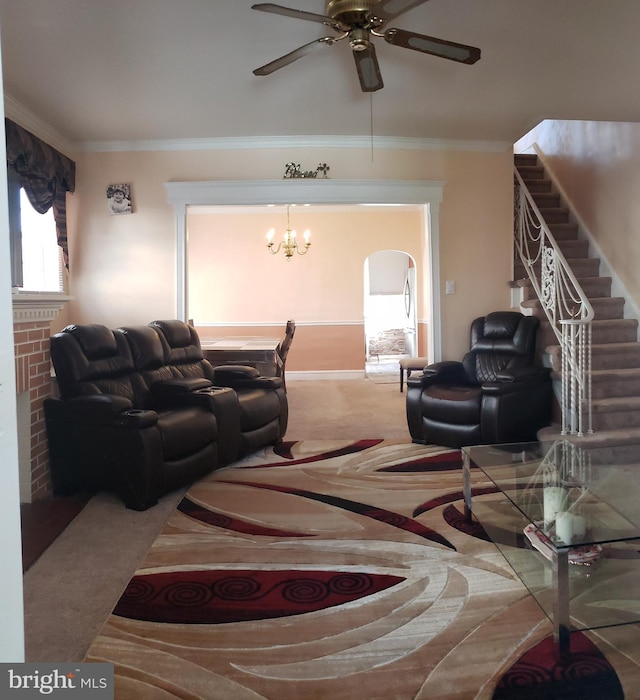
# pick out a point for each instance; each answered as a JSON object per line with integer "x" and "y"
{"x": 283, "y": 350}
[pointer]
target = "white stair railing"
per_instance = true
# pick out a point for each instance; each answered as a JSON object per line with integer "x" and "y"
{"x": 565, "y": 305}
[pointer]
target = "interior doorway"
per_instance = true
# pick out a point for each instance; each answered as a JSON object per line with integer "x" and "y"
{"x": 390, "y": 318}
{"x": 425, "y": 194}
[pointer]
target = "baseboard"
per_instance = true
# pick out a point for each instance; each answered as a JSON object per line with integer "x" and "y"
{"x": 329, "y": 374}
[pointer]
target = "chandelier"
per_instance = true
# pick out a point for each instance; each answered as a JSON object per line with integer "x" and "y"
{"x": 288, "y": 244}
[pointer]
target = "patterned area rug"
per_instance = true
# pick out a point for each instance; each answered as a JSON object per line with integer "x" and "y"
{"x": 338, "y": 570}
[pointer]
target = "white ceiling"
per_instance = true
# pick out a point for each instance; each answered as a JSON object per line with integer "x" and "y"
{"x": 126, "y": 70}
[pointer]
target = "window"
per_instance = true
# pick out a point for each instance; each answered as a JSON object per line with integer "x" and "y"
{"x": 37, "y": 260}
{"x": 41, "y": 254}
{"x": 46, "y": 175}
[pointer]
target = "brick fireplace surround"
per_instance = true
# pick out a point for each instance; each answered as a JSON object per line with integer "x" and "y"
{"x": 32, "y": 318}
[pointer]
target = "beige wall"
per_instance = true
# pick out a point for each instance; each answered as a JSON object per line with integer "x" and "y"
{"x": 234, "y": 280}
{"x": 228, "y": 252}
{"x": 598, "y": 166}
{"x": 123, "y": 267}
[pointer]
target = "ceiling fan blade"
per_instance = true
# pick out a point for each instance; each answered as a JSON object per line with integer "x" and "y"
{"x": 390, "y": 9}
{"x": 298, "y": 14}
{"x": 368, "y": 69}
{"x": 285, "y": 60}
{"x": 429, "y": 44}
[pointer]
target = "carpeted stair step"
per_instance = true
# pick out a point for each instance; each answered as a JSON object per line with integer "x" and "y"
{"x": 593, "y": 287}
{"x": 607, "y": 307}
{"x": 603, "y": 356}
{"x": 621, "y": 330}
{"x": 574, "y": 248}
{"x": 548, "y": 200}
{"x": 617, "y": 413}
{"x": 525, "y": 158}
{"x": 615, "y": 355}
{"x": 603, "y": 307}
{"x": 622, "y": 445}
{"x": 613, "y": 383}
{"x": 581, "y": 267}
{"x": 531, "y": 172}
{"x": 584, "y": 267}
{"x": 537, "y": 185}
{"x": 563, "y": 230}
{"x": 555, "y": 215}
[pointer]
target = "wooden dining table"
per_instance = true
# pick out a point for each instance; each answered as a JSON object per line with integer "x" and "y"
{"x": 247, "y": 348}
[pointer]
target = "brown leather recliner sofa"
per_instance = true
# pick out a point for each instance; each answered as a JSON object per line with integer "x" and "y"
{"x": 141, "y": 412}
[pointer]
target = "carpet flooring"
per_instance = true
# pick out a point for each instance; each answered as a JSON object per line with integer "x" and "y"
{"x": 342, "y": 569}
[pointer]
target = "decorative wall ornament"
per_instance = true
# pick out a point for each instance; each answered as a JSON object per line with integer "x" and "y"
{"x": 293, "y": 171}
{"x": 119, "y": 199}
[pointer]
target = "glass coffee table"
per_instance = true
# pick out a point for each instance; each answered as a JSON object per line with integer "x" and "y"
{"x": 567, "y": 520}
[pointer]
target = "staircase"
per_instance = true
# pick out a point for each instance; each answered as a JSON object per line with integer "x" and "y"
{"x": 615, "y": 358}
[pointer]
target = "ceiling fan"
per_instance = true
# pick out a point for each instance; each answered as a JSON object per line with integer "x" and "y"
{"x": 358, "y": 21}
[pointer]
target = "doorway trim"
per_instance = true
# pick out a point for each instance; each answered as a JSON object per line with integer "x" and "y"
{"x": 427, "y": 193}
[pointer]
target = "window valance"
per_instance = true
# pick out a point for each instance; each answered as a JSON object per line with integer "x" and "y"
{"x": 45, "y": 174}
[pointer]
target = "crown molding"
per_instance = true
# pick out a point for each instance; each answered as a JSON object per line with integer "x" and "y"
{"x": 240, "y": 143}
{"x": 19, "y": 114}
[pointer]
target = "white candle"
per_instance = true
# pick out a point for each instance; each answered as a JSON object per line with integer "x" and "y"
{"x": 554, "y": 500}
{"x": 579, "y": 526}
{"x": 564, "y": 527}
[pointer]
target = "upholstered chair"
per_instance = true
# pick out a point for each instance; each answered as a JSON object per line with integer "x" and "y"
{"x": 496, "y": 394}
{"x": 262, "y": 407}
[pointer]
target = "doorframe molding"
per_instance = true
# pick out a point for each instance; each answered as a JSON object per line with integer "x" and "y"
{"x": 425, "y": 193}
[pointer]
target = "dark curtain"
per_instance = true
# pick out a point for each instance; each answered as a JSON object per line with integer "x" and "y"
{"x": 45, "y": 174}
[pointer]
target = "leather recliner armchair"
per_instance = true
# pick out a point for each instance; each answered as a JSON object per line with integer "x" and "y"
{"x": 108, "y": 432}
{"x": 495, "y": 395}
{"x": 262, "y": 406}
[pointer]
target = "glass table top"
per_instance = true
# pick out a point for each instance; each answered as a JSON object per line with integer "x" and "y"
{"x": 575, "y": 496}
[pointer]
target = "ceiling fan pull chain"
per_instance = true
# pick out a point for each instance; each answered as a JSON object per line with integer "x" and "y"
{"x": 371, "y": 121}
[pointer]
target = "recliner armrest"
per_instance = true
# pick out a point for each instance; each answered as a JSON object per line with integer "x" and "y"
{"x": 167, "y": 389}
{"x": 180, "y": 384}
{"x": 224, "y": 373}
{"x": 137, "y": 418}
{"x": 519, "y": 379}
{"x": 109, "y": 409}
{"x": 449, "y": 372}
{"x": 244, "y": 377}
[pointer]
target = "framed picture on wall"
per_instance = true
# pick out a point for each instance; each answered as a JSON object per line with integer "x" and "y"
{"x": 119, "y": 199}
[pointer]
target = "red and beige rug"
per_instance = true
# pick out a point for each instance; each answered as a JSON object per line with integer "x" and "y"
{"x": 340, "y": 570}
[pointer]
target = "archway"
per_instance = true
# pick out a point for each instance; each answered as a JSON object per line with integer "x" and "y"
{"x": 390, "y": 316}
